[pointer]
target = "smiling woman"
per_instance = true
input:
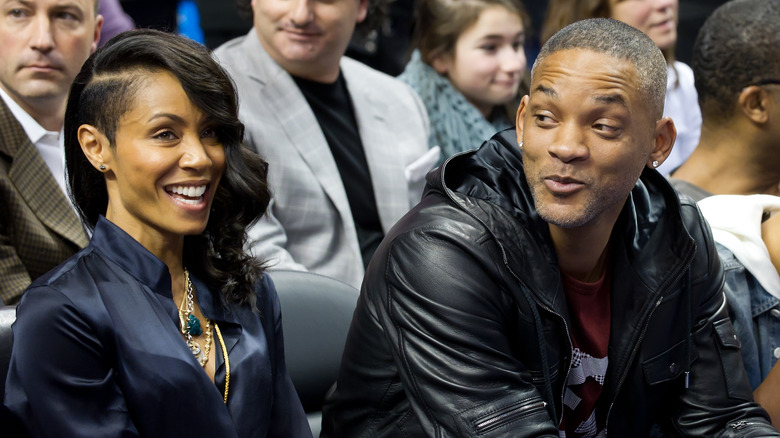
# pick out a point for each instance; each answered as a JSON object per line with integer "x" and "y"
{"x": 163, "y": 325}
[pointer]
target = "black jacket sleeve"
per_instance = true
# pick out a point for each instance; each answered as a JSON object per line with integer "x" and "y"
{"x": 445, "y": 314}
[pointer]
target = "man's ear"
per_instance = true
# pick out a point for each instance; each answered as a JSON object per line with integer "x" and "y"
{"x": 664, "y": 136}
{"x": 520, "y": 122}
{"x": 96, "y": 147}
{"x": 362, "y": 10}
{"x": 753, "y": 103}
{"x": 96, "y": 35}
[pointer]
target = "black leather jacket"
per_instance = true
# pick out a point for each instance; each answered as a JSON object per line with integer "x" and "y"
{"x": 462, "y": 324}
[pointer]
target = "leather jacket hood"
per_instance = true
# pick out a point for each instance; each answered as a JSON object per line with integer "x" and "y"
{"x": 462, "y": 327}
{"x": 494, "y": 175}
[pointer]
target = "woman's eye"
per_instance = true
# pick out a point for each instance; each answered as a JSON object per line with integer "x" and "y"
{"x": 209, "y": 133}
{"x": 165, "y": 135}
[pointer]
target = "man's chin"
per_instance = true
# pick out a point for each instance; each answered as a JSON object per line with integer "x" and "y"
{"x": 42, "y": 90}
{"x": 563, "y": 216}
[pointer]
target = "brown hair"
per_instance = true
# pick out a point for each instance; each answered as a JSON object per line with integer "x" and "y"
{"x": 439, "y": 23}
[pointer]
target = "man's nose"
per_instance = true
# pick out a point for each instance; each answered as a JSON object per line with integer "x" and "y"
{"x": 302, "y": 12}
{"x": 42, "y": 38}
{"x": 569, "y": 145}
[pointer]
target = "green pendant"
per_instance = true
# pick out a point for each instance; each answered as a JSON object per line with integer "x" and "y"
{"x": 193, "y": 325}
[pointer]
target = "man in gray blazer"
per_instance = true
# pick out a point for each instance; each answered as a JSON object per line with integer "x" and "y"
{"x": 346, "y": 144}
{"x": 42, "y": 47}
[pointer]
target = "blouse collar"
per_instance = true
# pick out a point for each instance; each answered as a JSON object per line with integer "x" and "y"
{"x": 122, "y": 249}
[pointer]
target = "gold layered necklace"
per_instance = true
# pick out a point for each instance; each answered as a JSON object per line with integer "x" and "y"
{"x": 190, "y": 326}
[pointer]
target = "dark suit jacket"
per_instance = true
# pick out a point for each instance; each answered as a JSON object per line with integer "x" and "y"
{"x": 38, "y": 227}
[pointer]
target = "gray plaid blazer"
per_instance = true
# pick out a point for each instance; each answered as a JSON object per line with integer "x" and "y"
{"x": 309, "y": 224}
{"x": 38, "y": 227}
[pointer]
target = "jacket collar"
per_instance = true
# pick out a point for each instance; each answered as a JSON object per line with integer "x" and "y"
{"x": 119, "y": 247}
{"x": 34, "y": 182}
{"x": 490, "y": 185}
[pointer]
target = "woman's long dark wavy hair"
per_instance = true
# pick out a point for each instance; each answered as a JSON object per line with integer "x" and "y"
{"x": 104, "y": 91}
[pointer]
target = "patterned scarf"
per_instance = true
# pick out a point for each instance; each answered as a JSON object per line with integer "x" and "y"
{"x": 456, "y": 125}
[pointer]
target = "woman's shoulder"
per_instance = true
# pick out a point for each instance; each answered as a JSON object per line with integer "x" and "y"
{"x": 267, "y": 300}
{"x": 70, "y": 276}
{"x": 680, "y": 77}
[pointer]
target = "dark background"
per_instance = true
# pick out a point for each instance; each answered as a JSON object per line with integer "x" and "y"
{"x": 386, "y": 49}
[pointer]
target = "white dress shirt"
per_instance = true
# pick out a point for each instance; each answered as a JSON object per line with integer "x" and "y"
{"x": 50, "y": 144}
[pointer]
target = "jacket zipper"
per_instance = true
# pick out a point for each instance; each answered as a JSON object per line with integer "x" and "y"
{"x": 568, "y": 361}
{"x": 688, "y": 259}
{"x": 568, "y": 339}
{"x": 506, "y": 416}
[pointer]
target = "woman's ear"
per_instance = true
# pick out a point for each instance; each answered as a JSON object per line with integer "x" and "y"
{"x": 95, "y": 146}
{"x": 441, "y": 63}
{"x": 664, "y": 135}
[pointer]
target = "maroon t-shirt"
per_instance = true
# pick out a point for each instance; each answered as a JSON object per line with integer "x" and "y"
{"x": 589, "y": 310}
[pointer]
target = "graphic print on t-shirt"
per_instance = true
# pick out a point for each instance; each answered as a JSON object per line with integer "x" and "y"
{"x": 589, "y": 309}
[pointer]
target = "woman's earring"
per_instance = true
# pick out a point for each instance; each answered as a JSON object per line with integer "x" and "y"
{"x": 656, "y": 164}
{"x": 102, "y": 167}
{"x": 521, "y": 145}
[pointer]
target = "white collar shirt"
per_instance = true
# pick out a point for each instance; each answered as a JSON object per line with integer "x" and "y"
{"x": 50, "y": 144}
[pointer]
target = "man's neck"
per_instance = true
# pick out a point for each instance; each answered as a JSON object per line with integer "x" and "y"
{"x": 48, "y": 112}
{"x": 730, "y": 161}
{"x": 581, "y": 253}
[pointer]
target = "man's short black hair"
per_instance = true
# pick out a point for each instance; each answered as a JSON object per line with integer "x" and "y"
{"x": 738, "y": 46}
{"x": 619, "y": 40}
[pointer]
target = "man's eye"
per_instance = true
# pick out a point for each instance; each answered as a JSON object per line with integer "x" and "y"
{"x": 543, "y": 119}
{"x": 66, "y": 16}
{"x": 606, "y": 130}
{"x": 17, "y": 13}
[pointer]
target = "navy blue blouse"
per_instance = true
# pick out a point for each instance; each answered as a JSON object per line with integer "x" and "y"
{"x": 97, "y": 352}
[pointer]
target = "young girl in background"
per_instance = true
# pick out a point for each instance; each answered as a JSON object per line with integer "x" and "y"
{"x": 467, "y": 67}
